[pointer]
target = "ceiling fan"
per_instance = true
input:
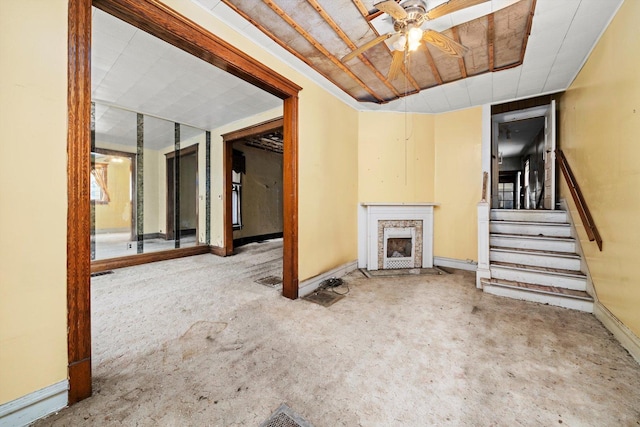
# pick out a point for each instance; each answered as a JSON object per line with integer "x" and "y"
{"x": 408, "y": 18}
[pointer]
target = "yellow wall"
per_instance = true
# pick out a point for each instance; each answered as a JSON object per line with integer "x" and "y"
{"x": 328, "y": 184}
{"x": 116, "y": 215}
{"x": 426, "y": 158}
{"x": 396, "y": 157}
{"x": 458, "y": 183}
{"x": 599, "y": 133}
{"x": 33, "y": 189}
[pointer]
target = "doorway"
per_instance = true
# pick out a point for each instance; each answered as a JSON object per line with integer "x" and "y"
{"x": 253, "y": 155}
{"x": 182, "y": 196}
{"x": 523, "y": 158}
{"x": 168, "y": 25}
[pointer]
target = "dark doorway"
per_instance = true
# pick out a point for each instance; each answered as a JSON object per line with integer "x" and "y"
{"x": 182, "y": 194}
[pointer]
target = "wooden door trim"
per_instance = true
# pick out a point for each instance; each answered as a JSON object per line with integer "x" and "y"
{"x": 227, "y": 166}
{"x": 78, "y": 204}
{"x": 257, "y": 129}
{"x": 165, "y": 23}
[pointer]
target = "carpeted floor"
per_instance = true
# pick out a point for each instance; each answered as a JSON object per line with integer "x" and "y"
{"x": 197, "y": 342}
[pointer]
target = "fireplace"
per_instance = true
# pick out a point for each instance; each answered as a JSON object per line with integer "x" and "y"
{"x": 393, "y": 236}
{"x": 398, "y": 247}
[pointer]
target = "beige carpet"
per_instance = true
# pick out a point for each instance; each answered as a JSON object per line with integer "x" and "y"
{"x": 196, "y": 342}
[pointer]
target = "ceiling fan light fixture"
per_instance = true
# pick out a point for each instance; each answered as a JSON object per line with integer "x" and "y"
{"x": 400, "y": 43}
{"x": 414, "y": 36}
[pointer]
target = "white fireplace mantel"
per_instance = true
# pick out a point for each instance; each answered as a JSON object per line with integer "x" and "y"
{"x": 370, "y": 213}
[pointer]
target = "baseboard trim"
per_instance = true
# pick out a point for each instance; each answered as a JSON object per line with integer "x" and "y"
{"x": 455, "y": 263}
{"x": 310, "y": 285}
{"x": 217, "y": 250}
{"x": 131, "y": 260}
{"x": 628, "y": 340}
{"x": 27, "y": 409}
{"x": 241, "y": 241}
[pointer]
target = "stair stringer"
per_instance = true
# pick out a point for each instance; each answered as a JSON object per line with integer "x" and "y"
{"x": 584, "y": 266}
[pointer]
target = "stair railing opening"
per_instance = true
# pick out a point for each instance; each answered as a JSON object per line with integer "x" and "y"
{"x": 578, "y": 198}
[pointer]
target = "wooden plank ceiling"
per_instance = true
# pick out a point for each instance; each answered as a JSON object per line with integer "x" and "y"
{"x": 321, "y": 32}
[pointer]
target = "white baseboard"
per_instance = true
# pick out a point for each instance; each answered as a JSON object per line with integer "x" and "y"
{"x": 310, "y": 285}
{"x": 455, "y": 263}
{"x": 27, "y": 409}
{"x": 628, "y": 340}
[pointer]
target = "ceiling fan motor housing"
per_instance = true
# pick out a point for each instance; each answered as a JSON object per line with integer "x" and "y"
{"x": 416, "y": 12}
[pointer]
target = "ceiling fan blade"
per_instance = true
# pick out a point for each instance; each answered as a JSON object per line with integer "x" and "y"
{"x": 392, "y": 8}
{"x": 396, "y": 64}
{"x": 444, "y": 43}
{"x": 450, "y": 7}
{"x": 367, "y": 45}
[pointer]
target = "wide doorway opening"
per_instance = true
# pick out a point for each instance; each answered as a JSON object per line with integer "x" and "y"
{"x": 152, "y": 193}
{"x": 523, "y": 158}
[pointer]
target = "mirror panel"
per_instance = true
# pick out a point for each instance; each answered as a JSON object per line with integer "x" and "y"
{"x": 148, "y": 184}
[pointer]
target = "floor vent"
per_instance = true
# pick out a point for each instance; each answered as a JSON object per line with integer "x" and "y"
{"x": 285, "y": 417}
{"x": 270, "y": 281}
{"x": 101, "y": 273}
{"x": 324, "y": 297}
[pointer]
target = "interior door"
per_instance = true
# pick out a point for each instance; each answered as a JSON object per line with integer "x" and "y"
{"x": 550, "y": 157}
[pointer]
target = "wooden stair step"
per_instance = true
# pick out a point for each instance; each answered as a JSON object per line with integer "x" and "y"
{"x": 536, "y": 252}
{"x": 530, "y": 236}
{"x": 550, "y": 224}
{"x": 549, "y": 290}
{"x": 548, "y": 270}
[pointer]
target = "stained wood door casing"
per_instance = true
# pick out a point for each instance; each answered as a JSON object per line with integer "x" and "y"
{"x": 550, "y": 157}
{"x": 165, "y": 23}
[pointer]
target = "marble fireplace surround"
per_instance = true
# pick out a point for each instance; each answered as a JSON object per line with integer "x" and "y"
{"x": 372, "y": 218}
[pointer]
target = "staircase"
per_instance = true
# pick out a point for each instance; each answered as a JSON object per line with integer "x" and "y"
{"x": 533, "y": 257}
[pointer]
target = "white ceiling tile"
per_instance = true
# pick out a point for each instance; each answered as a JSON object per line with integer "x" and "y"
{"x": 208, "y": 4}
{"x": 437, "y": 99}
{"x": 230, "y": 17}
{"x": 505, "y": 84}
{"x": 457, "y": 94}
{"x": 480, "y": 89}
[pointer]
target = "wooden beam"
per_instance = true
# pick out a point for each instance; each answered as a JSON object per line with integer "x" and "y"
{"x": 363, "y": 10}
{"x": 461, "y": 64}
{"x": 315, "y": 43}
{"x": 432, "y": 65}
{"x": 374, "y": 15}
{"x": 290, "y": 200}
{"x": 491, "y": 35}
{"x": 273, "y": 37}
{"x": 413, "y": 82}
{"x": 78, "y": 204}
{"x": 351, "y": 45}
